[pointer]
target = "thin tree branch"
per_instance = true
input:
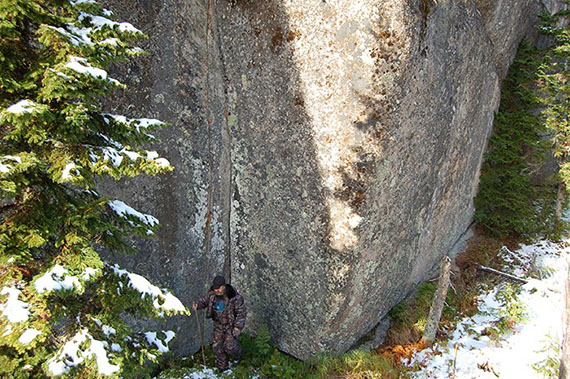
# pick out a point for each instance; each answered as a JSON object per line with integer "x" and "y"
{"x": 497, "y": 272}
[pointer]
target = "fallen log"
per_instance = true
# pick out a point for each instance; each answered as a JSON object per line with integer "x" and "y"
{"x": 504, "y": 274}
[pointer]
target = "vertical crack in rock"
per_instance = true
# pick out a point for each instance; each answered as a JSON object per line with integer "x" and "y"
{"x": 225, "y": 169}
{"x": 209, "y": 131}
{"x": 217, "y": 220}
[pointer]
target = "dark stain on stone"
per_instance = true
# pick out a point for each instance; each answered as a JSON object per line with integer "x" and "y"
{"x": 285, "y": 153}
{"x": 292, "y": 35}
{"x": 260, "y": 262}
{"x": 236, "y": 194}
{"x": 277, "y": 39}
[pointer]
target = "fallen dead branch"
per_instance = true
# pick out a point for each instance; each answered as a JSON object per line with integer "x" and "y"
{"x": 504, "y": 274}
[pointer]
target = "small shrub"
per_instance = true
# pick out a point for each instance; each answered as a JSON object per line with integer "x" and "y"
{"x": 549, "y": 366}
{"x": 261, "y": 358}
{"x": 512, "y": 313}
{"x": 256, "y": 349}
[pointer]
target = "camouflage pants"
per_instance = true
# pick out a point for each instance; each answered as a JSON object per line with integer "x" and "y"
{"x": 224, "y": 345}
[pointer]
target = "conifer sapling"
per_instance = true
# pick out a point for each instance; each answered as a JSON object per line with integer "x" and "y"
{"x": 553, "y": 79}
{"x": 61, "y": 306}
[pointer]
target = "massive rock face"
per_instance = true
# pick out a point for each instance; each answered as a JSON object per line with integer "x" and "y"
{"x": 326, "y": 152}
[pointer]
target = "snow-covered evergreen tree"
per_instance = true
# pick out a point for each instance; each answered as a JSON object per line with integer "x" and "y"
{"x": 62, "y": 308}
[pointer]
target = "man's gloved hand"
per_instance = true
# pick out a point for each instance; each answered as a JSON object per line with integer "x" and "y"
{"x": 236, "y": 332}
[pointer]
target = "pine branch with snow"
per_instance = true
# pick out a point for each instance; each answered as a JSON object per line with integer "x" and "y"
{"x": 62, "y": 307}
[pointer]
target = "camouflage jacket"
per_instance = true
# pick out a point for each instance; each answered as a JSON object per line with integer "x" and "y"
{"x": 235, "y": 313}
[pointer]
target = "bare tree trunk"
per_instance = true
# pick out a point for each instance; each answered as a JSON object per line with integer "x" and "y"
{"x": 565, "y": 359}
{"x": 438, "y": 302}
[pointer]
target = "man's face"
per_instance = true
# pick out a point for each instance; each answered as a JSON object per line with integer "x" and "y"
{"x": 220, "y": 291}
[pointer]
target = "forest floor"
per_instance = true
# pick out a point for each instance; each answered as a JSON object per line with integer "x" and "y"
{"x": 491, "y": 326}
{"x": 516, "y": 331}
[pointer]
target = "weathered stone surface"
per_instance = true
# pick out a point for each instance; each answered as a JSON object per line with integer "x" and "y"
{"x": 180, "y": 82}
{"x": 327, "y": 153}
{"x": 506, "y": 22}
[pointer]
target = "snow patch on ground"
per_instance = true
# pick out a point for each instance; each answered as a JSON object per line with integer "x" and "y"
{"x": 203, "y": 373}
{"x": 470, "y": 354}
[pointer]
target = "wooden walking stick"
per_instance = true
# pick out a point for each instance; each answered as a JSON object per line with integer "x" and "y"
{"x": 201, "y": 336}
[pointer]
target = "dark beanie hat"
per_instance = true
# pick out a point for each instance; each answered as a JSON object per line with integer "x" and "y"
{"x": 218, "y": 282}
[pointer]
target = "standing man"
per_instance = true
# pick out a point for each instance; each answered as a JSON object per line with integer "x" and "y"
{"x": 227, "y": 309}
